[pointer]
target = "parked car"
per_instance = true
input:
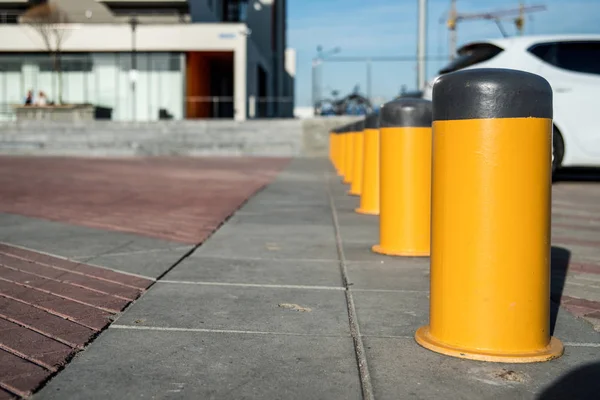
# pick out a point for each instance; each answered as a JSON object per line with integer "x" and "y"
{"x": 571, "y": 64}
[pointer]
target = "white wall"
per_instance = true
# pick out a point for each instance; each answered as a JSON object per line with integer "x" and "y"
{"x": 117, "y": 37}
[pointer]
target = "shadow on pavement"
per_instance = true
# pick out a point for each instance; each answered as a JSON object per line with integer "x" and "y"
{"x": 581, "y": 383}
{"x": 559, "y": 266}
{"x": 577, "y": 175}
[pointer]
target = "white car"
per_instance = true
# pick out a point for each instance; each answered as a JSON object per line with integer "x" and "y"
{"x": 571, "y": 64}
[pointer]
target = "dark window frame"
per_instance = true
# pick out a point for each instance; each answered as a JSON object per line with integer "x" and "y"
{"x": 472, "y": 54}
{"x": 554, "y": 58}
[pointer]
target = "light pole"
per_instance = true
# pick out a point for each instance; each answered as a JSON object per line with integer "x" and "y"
{"x": 316, "y": 73}
{"x": 133, "y": 72}
{"x": 421, "y": 44}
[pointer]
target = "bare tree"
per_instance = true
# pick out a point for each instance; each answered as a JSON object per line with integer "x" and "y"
{"x": 50, "y": 21}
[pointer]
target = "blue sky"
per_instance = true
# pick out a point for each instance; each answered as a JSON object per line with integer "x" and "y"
{"x": 389, "y": 28}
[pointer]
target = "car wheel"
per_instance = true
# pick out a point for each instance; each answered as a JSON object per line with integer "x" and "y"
{"x": 558, "y": 149}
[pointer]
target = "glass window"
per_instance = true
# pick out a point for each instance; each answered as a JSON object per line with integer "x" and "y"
{"x": 471, "y": 55}
{"x": 578, "y": 56}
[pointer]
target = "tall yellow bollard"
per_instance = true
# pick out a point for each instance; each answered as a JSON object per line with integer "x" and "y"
{"x": 357, "y": 159}
{"x": 404, "y": 222}
{"x": 331, "y": 143}
{"x": 341, "y": 151}
{"x": 349, "y": 153}
{"x": 334, "y": 149}
{"x": 369, "y": 197}
{"x": 490, "y": 256}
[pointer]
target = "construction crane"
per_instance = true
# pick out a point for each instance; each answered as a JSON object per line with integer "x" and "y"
{"x": 454, "y": 17}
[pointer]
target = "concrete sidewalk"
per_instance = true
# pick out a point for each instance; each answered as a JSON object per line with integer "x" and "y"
{"x": 286, "y": 301}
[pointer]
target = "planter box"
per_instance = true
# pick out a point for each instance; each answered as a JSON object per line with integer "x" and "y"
{"x": 63, "y": 113}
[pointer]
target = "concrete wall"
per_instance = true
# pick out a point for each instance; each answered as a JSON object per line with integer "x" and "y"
{"x": 278, "y": 137}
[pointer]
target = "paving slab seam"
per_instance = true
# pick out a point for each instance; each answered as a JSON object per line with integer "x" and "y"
{"x": 68, "y": 283}
{"x": 68, "y": 270}
{"x": 27, "y": 358}
{"x": 227, "y": 331}
{"x": 296, "y": 260}
{"x": 389, "y": 290}
{"x": 77, "y": 259}
{"x": 127, "y": 253}
{"x": 31, "y": 328}
{"x": 575, "y": 344}
{"x": 359, "y": 348}
{"x": 112, "y": 311}
{"x": 14, "y": 390}
{"x": 49, "y": 311}
{"x": 256, "y": 285}
{"x": 120, "y": 271}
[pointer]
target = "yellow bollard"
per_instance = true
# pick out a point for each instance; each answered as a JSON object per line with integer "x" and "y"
{"x": 339, "y": 149}
{"x": 357, "y": 159}
{"x": 490, "y": 256}
{"x": 349, "y": 153}
{"x": 404, "y": 222}
{"x": 332, "y": 146}
{"x": 369, "y": 197}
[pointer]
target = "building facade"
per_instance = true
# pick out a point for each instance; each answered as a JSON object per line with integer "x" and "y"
{"x": 151, "y": 59}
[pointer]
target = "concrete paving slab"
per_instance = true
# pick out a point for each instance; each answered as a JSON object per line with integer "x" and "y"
{"x": 150, "y": 263}
{"x": 428, "y": 375}
{"x": 391, "y": 313}
{"x": 191, "y": 365}
{"x": 271, "y": 242}
{"x": 361, "y": 252}
{"x": 271, "y": 272}
{"x": 405, "y": 274}
{"x": 70, "y": 241}
{"x": 264, "y": 309}
{"x": 291, "y": 218}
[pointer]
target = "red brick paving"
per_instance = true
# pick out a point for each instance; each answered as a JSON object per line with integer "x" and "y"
{"x": 73, "y": 266}
{"x": 43, "y": 318}
{"x": 178, "y": 199}
{"x": 20, "y": 376}
{"x": 574, "y": 204}
{"x": 51, "y": 307}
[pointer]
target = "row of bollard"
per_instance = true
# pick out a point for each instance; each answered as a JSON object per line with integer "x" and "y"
{"x": 466, "y": 180}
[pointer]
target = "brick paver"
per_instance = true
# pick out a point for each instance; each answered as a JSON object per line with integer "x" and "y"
{"x": 178, "y": 199}
{"x": 49, "y": 309}
{"x": 576, "y": 228}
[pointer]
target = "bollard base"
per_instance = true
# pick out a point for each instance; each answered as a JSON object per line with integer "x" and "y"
{"x": 406, "y": 253}
{"x": 366, "y": 212}
{"x": 553, "y": 350}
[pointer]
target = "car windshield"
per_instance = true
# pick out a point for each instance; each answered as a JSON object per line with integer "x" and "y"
{"x": 471, "y": 55}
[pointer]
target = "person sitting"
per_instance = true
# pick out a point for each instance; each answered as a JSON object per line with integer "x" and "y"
{"x": 29, "y": 98}
{"x": 42, "y": 99}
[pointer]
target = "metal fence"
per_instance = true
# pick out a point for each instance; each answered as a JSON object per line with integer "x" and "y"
{"x": 377, "y": 79}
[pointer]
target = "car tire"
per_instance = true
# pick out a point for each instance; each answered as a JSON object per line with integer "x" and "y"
{"x": 558, "y": 149}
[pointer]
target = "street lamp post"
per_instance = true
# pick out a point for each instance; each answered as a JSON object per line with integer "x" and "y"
{"x": 316, "y": 73}
{"x": 133, "y": 72}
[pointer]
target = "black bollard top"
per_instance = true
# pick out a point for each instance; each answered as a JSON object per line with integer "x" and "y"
{"x": 359, "y": 126}
{"x": 405, "y": 113}
{"x": 491, "y": 93}
{"x": 372, "y": 121}
{"x": 341, "y": 129}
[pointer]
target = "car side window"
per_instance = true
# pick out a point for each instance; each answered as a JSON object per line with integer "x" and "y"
{"x": 545, "y": 52}
{"x": 577, "y": 56}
